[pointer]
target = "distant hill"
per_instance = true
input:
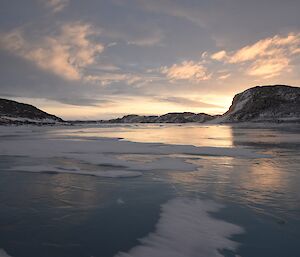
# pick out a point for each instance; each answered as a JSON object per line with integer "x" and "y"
{"x": 12, "y": 112}
{"x": 175, "y": 117}
{"x": 278, "y": 103}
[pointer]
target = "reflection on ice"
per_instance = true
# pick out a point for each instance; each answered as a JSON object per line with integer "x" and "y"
{"x": 191, "y": 134}
{"x": 255, "y": 183}
{"x": 108, "y": 157}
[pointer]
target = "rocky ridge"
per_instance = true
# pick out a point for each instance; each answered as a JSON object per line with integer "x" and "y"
{"x": 12, "y": 112}
{"x": 279, "y": 103}
{"x": 175, "y": 117}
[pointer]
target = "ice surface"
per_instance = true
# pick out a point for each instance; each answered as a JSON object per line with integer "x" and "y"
{"x": 3, "y": 253}
{"x": 186, "y": 229}
{"x": 103, "y": 156}
{"x": 51, "y": 169}
{"x": 44, "y": 148}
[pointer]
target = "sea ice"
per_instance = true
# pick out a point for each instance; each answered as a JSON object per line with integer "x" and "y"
{"x": 187, "y": 229}
{"x": 97, "y": 173}
{"x": 104, "y": 154}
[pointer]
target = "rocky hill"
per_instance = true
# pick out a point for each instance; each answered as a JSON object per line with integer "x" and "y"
{"x": 277, "y": 103}
{"x": 12, "y": 112}
{"x": 175, "y": 117}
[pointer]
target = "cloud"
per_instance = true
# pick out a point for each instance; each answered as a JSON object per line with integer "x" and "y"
{"x": 65, "y": 54}
{"x": 225, "y": 76}
{"x": 108, "y": 78}
{"x": 138, "y": 34}
{"x": 187, "y": 70}
{"x": 267, "y": 57}
{"x": 269, "y": 67}
{"x": 187, "y": 102}
{"x": 172, "y": 8}
{"x": 186, "y": 228}
{"x": 102, "y": 66}
{"x": 56, "y": 5}
{"x": 105, "y": 74}
{"x": 219, "y": 56}
{"x": 267, "y": 47}
{"x": 152, "y": 39}
{"x": 84, "y": 101}
{"x": 111, "y": 44}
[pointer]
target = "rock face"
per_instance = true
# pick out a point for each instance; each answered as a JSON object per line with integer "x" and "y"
{"x": 12, "y": 112}
{"x": 134, "y": 119}
{"x": 166, "y": 118}
{"x": 277, "y": 103}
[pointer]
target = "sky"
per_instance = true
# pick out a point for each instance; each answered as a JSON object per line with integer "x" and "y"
{"x": 97, "y": 59}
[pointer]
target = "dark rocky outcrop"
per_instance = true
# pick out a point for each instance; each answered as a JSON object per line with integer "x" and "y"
{"x": 278, "y": 103}
{"x": 12, "y": 112}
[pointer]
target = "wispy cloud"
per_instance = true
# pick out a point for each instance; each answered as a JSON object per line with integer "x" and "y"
{"x": 105, "y": 79}
{"x": 224, "y": 76}
{"x": 132, "y": 79}
{"x": 172, "y": 8}
{"x": 64, "y": 54}
{"x": 56, "y": 5}
{"x": 267, "y": 57}
{"x": 152, "y": 39}
{"x": 187, "y": 70}
{"x": 187, "y": 102}
{"x": 84, "y": 102}
{"x": 144, "y": 35}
